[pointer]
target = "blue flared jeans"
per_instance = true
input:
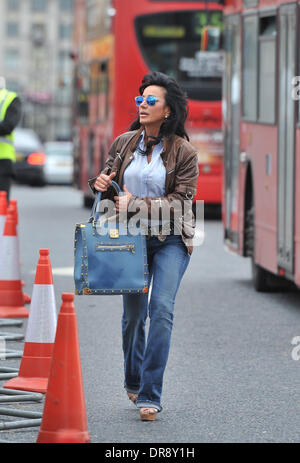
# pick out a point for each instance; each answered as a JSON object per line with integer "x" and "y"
{"x": 145, "y": 359}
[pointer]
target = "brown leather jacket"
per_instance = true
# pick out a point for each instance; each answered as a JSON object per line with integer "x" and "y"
{"x": 181, "y": 162}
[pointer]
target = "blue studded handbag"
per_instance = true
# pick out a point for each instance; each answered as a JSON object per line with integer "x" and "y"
{"x": 108, "y": 258}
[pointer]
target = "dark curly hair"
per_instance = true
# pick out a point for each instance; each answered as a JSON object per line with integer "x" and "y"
{"x": 177, "y": 102}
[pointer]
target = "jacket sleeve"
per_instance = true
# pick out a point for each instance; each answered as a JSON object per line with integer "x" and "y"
{"x": 179, "y": 201}
{"x": 12, "y": 117}
{"x": 108, "y": 164}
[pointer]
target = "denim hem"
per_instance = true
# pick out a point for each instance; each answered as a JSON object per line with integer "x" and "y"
{"x": 148, "y": 404}
{"x": 131, "y": 390}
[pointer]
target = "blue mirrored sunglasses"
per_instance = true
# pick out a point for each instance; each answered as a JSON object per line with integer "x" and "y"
{"x": 151, "y": 100}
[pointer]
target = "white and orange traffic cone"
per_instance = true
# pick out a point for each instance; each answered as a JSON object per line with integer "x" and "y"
{"x": 3, "y": 211}
{"x": 11, "y": 295}
{"x": 40, "y": 334}
{"x": 13, "y": 204}
{"x": 64, "y": 417}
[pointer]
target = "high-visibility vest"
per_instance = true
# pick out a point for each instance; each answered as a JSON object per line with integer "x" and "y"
{"x": 7, "y": 149}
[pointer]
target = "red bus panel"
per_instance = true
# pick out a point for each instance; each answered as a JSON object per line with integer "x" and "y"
{"x": 181, "y": 39}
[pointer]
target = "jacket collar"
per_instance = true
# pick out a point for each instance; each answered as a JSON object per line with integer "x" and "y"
{"x": 135, "y": 139}
{"x": 167, "y": 143}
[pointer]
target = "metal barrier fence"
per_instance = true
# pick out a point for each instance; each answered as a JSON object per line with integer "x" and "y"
{"x": 31, "y": 418}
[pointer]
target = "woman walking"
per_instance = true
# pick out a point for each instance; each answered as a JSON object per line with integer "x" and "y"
{"x": 155, "y": 165}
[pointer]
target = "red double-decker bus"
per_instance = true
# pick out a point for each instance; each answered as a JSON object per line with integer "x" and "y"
{"x": 116, "y": 43}
{"x": 261, "y": 196}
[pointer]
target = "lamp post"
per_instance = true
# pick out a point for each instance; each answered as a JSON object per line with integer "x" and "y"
{"x": 38, "y": 42}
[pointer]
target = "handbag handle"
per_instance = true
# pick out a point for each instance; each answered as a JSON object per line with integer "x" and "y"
{"x": 95, "y": 215}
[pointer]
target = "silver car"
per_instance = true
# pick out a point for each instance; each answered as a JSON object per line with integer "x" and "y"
{"x": 59, "y": 163}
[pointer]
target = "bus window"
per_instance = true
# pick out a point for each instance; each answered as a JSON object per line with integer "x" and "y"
{"x": 249, "y": 69}
{"x": 250, "y": 3}
{"x": 103, "y": 91}
{"x": 267, "y": 69}
{"x": 81, "y": 94}
{"x": 186, "y": 46}
{"x": 99, "y": 89}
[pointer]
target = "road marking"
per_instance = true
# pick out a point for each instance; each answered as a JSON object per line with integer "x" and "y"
{"x": 63, "y": 271}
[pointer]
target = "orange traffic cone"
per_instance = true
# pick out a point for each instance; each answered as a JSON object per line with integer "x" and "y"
{"x": 14, "y": 206}
{"x": 11, "y": 295}
{"x": 64, "y": 417}
{"x": 40, "y": 334}
{"x": 3, "y": 211}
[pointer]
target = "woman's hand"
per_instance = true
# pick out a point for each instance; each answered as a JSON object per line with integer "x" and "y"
{"x": 103, "y": 181}
{"x": 123, "y": 200}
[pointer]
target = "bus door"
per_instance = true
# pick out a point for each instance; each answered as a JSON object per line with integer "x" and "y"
{"x": 286, "y": 137}
{"x": 231, "y": 113}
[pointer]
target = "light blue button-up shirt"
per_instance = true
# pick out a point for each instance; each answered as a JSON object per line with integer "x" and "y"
{"x": 146, "y": 179}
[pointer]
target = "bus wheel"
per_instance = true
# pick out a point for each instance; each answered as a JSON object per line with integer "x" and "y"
{"x": 260, "y": 277}
{"x": 263, "y": 280}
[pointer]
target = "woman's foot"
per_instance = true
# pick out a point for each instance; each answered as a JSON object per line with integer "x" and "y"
{"x": 132, "y": 397}
{"x": 148, "y": 414}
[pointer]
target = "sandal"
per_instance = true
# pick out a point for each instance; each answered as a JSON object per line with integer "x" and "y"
{"x": 133, "y": 397}
{"x": 148, "y": 414}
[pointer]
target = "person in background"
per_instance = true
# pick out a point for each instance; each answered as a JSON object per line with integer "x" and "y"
{"x": 10, "y": 115}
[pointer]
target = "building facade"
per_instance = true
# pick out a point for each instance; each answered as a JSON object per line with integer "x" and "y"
{"x": 36, "y": 41}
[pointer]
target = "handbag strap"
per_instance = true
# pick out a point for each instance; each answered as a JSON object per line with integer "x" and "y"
{"x": 94, "y": 214}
